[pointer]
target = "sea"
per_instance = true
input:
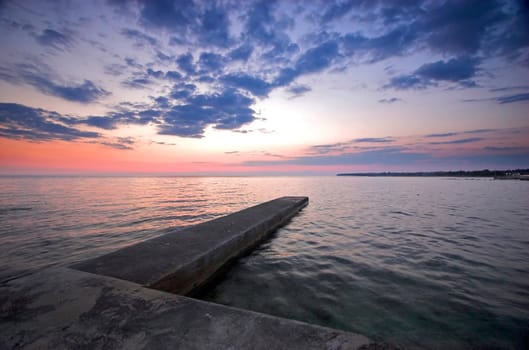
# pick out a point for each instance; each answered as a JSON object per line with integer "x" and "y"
{"x": 419, "y": 262}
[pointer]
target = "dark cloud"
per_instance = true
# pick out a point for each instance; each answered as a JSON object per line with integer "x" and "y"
{"x": 317, "y": 58}
{"x": 460, "y": 27}
{"x": 513, "y": 98}
{"x": 299, "y": 90}
{"x": 502, "y": 99}
{"x": 447, "y": 134}
{"x": 389, "y": 100}
{"x": 450, "y": 134}
{"x": 21, "y": 122}
{"x": 55, "y": 39}
{"x": 210, "y": 62}
{"x": 173, "y": 75}
{"x": 137, "y": 83}
{"x": 184, "y": 91}
{"x": 313, "y": 60}
{"x": 456, "y": 70}
{"x": 101, "y": 122}
{"x": 260, "y": 24}
{"x": 117, "y": 145}
{"x": 457, "y": 142}
{"x": 140, "y": 39}
{"x": 393, "y": 43}
{"x": 214, "y": 26}
{"x": 206, "y": 23}
{"x": 329, "y": 148}
{"x": 336, "y": 10}
{"x": 404, "y": 82}
{"x": 185, "y": 63}
{"x": 241, "y": 53}
{"x": 85, "y": 92}
{"x": 510, "y": 88}
{"x": 141, "y": 80}
{"x": 506, "y": 149}
{"x": 155, "y": 73}
{"x": 115, "y": 69}
{"x": 254, "y": 85}
{"x": 131, "y": 62}
{"x": 163, "y": 57}
{"x": 374, "y": 140}
{"x": 480, "y": 131}
{"x": 226, "y": 110}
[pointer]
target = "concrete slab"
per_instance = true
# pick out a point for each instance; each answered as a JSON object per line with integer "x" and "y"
{"x": 61, "y": 308}
{"x": 182, "y": 261}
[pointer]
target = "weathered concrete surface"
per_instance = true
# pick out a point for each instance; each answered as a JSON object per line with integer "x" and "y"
{"x": 61, "y": 308}
{"x": 185, "y": 260}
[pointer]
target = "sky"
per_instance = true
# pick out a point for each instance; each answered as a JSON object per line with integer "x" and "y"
{"x": 263, "y": 87}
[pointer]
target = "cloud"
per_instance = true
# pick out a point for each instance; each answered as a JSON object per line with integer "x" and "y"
{"x": 101, "y": 122}
{"x": 389, "y": 100}
{"x": 461, "y": 27}
{"x": 456, "y": 70}
{"x": 317, "y": 58}
{"x": 182, "y": 91}
{"x": 115, "y": 69}
{"x": 457, "y": 142}
{"x": 210, "y": 62}
{"x": 205, "y": 23}
{"x": 185, "y": 63}
{"x": 242, "y": 53}
{"x": 55, "y": 39}
{"x": 140, "y": 39}
{"x": 85, "y": 92}
{"x": 254, "y": 85}
{"x": 507, "y": 149}
{"x": 137, "y": 83}
{"x": 447, "y": 134}
{"x": 22, "y": 122}
{"x": 502, "y": 99}
{"x": 227, "y": 110}
{"x": 336, "y": 10}
{"x": 513, "y": 98}
{"x": 480, "y": 131}
{"x": 173, "y": 75}
{"x": 313, "y": 60}
{"x": 299, "y": 90}
{"x": 374, "y": 140}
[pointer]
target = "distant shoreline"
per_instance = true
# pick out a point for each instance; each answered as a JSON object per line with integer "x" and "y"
{"x": 516, "y": 174}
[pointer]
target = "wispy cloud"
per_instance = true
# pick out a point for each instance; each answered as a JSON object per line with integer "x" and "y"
{"x": 457, "y": 70}
{"x": 83, "y": 92}
{"x": 457, "y": 142}
{"x": 55, "y": 39}
{"x": 21, "y": 122}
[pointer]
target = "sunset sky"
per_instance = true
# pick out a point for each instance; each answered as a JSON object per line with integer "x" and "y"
{"x": 262, "y": 87}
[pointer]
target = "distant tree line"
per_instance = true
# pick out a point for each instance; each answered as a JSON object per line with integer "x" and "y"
{"x": 457, "y": 173}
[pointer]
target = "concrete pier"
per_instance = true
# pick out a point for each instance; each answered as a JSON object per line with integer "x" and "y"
{"x": 112, "y": 303}
{"x": 179, "y": 262}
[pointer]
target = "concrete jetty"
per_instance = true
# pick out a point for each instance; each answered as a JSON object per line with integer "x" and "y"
{"x": 104, "y": 304}
{"x": 182, "y": 261}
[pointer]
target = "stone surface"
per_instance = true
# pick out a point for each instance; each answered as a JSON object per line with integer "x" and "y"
{"x": 61, "y": 308}
{"x": 182, "y": 261}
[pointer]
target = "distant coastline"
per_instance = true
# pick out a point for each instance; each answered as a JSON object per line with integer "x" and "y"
{"x": 515, "y": 174}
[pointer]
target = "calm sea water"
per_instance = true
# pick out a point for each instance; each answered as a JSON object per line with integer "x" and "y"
{"x": 420, "y": 262}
